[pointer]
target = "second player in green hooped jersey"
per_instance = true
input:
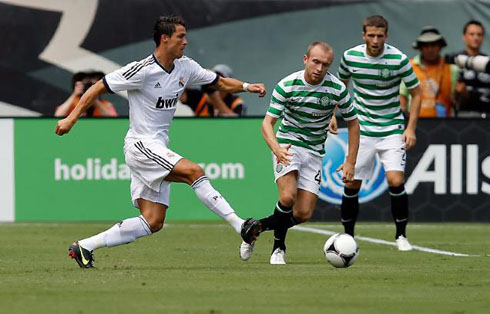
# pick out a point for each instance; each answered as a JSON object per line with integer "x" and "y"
{"x": 306, "y": 109}
{"x": 376, "y": 83}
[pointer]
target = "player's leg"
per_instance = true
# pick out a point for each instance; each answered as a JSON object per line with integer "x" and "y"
{"x": 283, "y": 212}
{"x": 399, "y": 208}
{"x": 128, "y": 230}
{"x": 349, "y": 208}
{"x": 302, "y": 211}
{"x": 192, "y": 174}
{"x": 393, "y": 156}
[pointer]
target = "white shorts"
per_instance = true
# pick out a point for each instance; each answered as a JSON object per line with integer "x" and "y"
{"x": 150, "y": 163}
{"x": 391, "y": 152}
{"x": 308, "y": 165}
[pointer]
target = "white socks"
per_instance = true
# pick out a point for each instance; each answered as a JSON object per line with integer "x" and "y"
{"x": 216, "y": 203}
{"x": 124, "y": 232}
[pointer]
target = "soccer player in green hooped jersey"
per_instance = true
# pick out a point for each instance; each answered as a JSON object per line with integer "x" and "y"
{"x": 377, "y": 69}
{"x": 305, "y": 100}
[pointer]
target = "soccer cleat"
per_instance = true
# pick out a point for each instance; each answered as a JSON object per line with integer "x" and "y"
{"x": 246, "y": 250}
{"x": 250, "y": 230}
{"x": 403, "y": 244}
{"x": 83, "y": 257}
{"x": 278, "y": 257}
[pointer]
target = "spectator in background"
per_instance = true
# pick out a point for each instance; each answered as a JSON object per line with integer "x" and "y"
{"x": 473, "y": 88}
{"x": 81, "y": 82}
{"x": 437, "y": 77}
{"x": 206, "y": 102}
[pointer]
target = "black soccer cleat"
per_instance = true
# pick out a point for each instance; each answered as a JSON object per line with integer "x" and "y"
{"x": 84, "y": 257}
{"x": 250, "y": 230}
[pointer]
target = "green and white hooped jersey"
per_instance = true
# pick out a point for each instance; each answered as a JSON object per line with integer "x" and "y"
{"x": 306, "y": 109}
{"x": 376, "y": 82}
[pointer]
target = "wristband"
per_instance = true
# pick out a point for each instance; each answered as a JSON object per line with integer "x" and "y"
{"x": 245, "y": 86}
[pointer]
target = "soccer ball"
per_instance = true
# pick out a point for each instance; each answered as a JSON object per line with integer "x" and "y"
{"x": 341, "y": 250}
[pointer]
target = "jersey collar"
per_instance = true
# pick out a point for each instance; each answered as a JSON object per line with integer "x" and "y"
{"x": 163, "y": 68}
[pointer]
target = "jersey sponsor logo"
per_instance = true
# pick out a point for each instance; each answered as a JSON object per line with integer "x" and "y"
{"x": 332, "y": 187}
{"x": 157, "y": 85}
{"x": 166, "y": 103}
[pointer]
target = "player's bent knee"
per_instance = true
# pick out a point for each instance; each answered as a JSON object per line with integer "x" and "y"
{"x": 302, "y": 217}
{"x": 288, "y": 199}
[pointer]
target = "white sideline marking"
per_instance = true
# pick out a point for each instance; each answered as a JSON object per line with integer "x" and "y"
{"x": 378, "y": 241}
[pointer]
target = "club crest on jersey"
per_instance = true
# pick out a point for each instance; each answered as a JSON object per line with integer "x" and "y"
{"x": 325, "y": 101}
{"x": 384, "y": 73}
{"x": 181, "y": 81}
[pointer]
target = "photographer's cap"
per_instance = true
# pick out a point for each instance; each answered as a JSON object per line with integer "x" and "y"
{"x": 223, "y": 70}
{"x": 429, "y": 34}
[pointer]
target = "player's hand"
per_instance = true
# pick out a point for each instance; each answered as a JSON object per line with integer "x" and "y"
{"x": 257, "y": 88}
{"x": 333, "y": 127}
{"x": 409, "y": 138}
{"x": 347, "y": 169}
{"x": 283, "y": 154}
{"x": 63, "y": 126}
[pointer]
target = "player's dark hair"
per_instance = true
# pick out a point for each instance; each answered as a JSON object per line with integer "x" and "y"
{"x": 166, "y": 25}
{"x": 375, "y": 21}
{"x": 326, "y": 47}
{"x": 473, "y": 22}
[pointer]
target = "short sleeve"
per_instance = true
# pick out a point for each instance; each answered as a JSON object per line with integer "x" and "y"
{"x": 407, "y": 74}
{"x": 346, "y": 108}
{"x": 129, "y": 77}
{"x": 278, "y": 101}
{"x": 199, "y": 75}
{"x": 344, "y": 73}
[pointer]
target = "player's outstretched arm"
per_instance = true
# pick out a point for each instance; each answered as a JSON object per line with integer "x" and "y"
{"x": 353, "y": 143}
{"x": 64, "y": 126}
{"x": 409, "y": 134}
{"x": 231, "y": 85}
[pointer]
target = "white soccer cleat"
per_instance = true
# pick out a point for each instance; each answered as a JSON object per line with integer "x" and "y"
{"x": 246, "y": 250}
{"x": 278, "y": 257}
{"x": 403, "y": 244}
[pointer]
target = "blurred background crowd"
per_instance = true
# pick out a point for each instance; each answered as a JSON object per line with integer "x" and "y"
{"x": 78, "y": 41}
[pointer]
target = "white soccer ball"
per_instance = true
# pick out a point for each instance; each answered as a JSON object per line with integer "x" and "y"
{"x": 341, "y": 250}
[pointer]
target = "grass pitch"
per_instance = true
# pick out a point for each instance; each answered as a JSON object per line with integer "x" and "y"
{"x": 195, "y": 268}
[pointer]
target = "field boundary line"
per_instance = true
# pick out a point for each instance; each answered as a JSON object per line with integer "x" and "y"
{"x": 379, "y": 241}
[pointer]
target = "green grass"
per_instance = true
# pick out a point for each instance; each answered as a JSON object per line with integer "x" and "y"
{"x": 196, "y": 269}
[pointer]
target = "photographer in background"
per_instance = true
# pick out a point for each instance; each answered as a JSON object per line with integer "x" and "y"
{"x": 473, "y": 86}
{"x": 207, "y": 102}
{"x": 437, "y": 77}
{"x": 81, "y": 82}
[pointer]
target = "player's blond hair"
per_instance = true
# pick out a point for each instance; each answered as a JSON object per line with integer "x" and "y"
{"x": 323, "y": 45}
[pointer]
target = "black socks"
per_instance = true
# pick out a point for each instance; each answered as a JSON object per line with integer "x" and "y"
{"x": 349, "y": 209}
{"x": 399, "y": 209}
{"x": 280, "y": 222}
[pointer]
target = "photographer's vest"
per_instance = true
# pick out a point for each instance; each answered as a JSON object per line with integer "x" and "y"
{"x": 435, "y": 85}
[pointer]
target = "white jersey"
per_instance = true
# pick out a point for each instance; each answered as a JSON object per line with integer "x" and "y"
{"x": 153, "y": 92}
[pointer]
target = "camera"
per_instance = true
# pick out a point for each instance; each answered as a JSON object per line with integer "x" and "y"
{"x": 86, "y": 86}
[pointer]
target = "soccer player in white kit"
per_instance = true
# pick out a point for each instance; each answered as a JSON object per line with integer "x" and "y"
{"x": 154, "y": 85}
{"x": 377, "y": 69}
{"x": 305, "y": 101}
